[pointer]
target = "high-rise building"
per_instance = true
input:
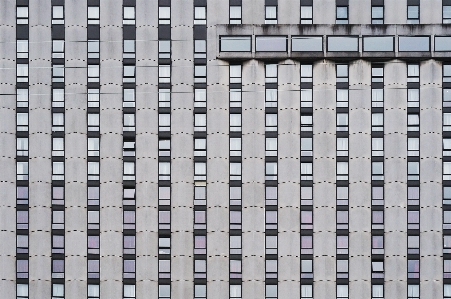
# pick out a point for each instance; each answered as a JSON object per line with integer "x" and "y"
{"x": 226, "y": 149}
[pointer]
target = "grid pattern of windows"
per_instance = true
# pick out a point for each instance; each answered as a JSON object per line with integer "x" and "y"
{"x": 58, "y": 156}
{"x": 93, "y": 122}
{"x": 377, "y": 182}
{"x": 306, "y": 181}
{"x": 446, "y": 181}
{"x": 129, "y": 153}
{"x": 271, "y": 182}
{"x": 22, "y": 155}
{"x": 342, "y": 179}
{"x": 164, "y": 147}
{"x": 200, "y": 149}
{"x": 235, "y": 183}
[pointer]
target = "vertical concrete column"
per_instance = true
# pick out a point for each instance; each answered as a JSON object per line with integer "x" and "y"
{"x": 147, "y": 149}
{"x": 8, "y": 149}
{"x": 359, "y": 12}
{"x": 324, "y": 12}
{"x": 40, "y": 166}
{"x": 289, "y": 12}
{"x": 289, "y": 178}
{"x": 76, "y": 149}
{"x": 324, "y": 241}
{"x": 182, "y": 164}
{"x": 217, "y": 158}
{"x": 431, "y": 11}
{"x": 395, "y": 12}
{"x": 431, "y": 248}
{"x": 253, "y": 175}
{"x": 360, "y": 179}
{"x": 111, "y": 148}
{"x": 253, "y": 12}
{"x": 395, "y": 135}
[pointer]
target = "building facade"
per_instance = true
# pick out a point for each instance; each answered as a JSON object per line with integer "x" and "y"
{"x": 225, "y": 149}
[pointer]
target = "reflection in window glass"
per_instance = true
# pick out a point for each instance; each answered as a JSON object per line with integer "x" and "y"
{"x": 271, "y": 43}
{"x": 307, "y": 43}
{"x": 378, "y": 43}
{"x": 413, "y": 43}
{"x": 342, "y": 43}
{"x": 235, "y": 43}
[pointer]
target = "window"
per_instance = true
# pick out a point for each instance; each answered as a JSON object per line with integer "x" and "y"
{"x": 93, "y": 291}
{"x": 446, "y": 18}
{"x": 235, "y": 16}
{"x": 307, "y": 219}
{"x": 164, "y": 49}
{"x": 57, "y": 219}
{"x": 129, "y": 290}
{"x": 57, "y": 268}
{"x": 129, "y": 122}
{"x": 342, "y": 15}
{"x": 129, "y": 15}
{"x": 164, "y": 122}
{"x": 271, "y": 15}
{"x": 342, "y": 146}
{"x": 235, "y": 269}
{"x": 93, "y": 97}
{"x": 235, "y": 73}
{"x": 164, "y": 98}
{"x": 129, "y": 268}
{"x": 235, "y": 146}
{"x": 377, "y": 270}
{"x": 129, "y": 48}
{"x": 93, "y": 268}
{"x": 22, "y": 244}
{"x": 93, "y": 147}
{"x": 22, "y": 17}
{"x": 306, "y": 122}
{"x": 200, "y": 121}
{"x": 235, "y": 195}
{"x": 22, "y": 219}
{"x": 200, "y": 15}
{"x": 377, "y": 147}
{"x": 164, "y": 15}
{"x": 306, "y": 147}
{"x": 22, "y": 171}
{"x": 22, "y": 268}
{"x": 235, "y": 121}
{"x": 200, "y": 48}
{"x": 342, "y": 122}
{"x": 413, "y": 170}
{"x": 93, "y": 170}
{"x": 235, "y": 97}
{"x": 342, "y": 220}
{"x": 306, "y": 292}
{"x": 129, "y": 171}
{"x": 342, "y": 291}
{"x": 342, "y": 97}
{"x": 57, "y": 291}
{"x": 235, "y": 291}
{"x": 93, "y": 73}
{"x": 200, "y": 292}
{"x": 129, "y": 220}
{"x": 200, "y": 219}
{"x": 58, "y": 73}
{"x": 22, "y": 121}
{"x": 128, "y": 196}
{"x": 57, "y": 97}
{"x": 200, "y": 244}
{"x": 200, "y": 268}
{"x": 164, "y": 73}
{"x": 235, "y": 171}
{"x": 235, "y": 220}
{"x": 306, "y": 77}
{"x": 413, "y": 242}
{"x": 93, "y": 15}
{"x": 271, "y": 146}
{"x": 377, "y": 14}
{"x": 164, "y": 170}
{"x": 342, "y": 196}
{"x": 22, "y": 147}
{"x": 413, "y": 146}
{"x": 22, "y": 195}
{"x": 342, "y": 270}
{"x": 306, "y": 171}
{"x": 377, "y": 121}
{"x": 129, "y": 73}
{"x": 377, "y": 220}
{"x": 342, "y": 244}
{"x": 377, "y": 170}
{"x": 22, "y": 97}
{"x": 93, "y": 48}
{"x": 235, "y": 245}
{"x": 342, "y": 170}
{"x": 271, "y": 244}
{"x": 22, "y": 72}
{"x": 93, "y": 195}
{"x": 57, "y": 171}
{"x": 57, "y": 14}
{"x": 271, "y": 171}
{"x": 413, "y": 14}
{"x": 93, "y": 122}
{"x": 413, "y": 196}
{"x": 377, "y": 245}
{"x": 200, "y": 74}
{"x": 200, "y": 171}
{"x": 164, "y": 196}
{"x": 306, "y": 244}
{"x": 22, "y": 48}
{"x": 306, "y": 269}
{"x": 271, "y": 289}
{"x": 306, "y": 14}
{"x": 93, "y": 244}
{"x": 413, "y": 291}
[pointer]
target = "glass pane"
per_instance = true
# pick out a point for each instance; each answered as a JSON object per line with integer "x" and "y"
{"x": 378, "y": 43}
{"x": 235, "y": 43}
{"x": 307, "y": 44}
{"x": 342, "y": 43}
{"x": 271, "y": 43}
{"x": 443, "y": 43}
{"x": 413, "y": 43}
